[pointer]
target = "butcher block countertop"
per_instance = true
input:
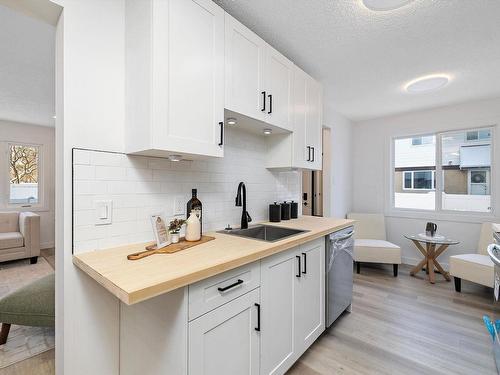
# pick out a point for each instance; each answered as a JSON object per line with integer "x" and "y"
{"x": 138, "y": 280}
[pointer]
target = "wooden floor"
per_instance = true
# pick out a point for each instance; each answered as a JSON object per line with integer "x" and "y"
{"x": 403, "y": 326}
{"x": 406, "y": 326}
{"x": 41, "y": 364}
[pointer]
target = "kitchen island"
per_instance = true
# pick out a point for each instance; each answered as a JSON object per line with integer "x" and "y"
{"x": 229, "y": 306}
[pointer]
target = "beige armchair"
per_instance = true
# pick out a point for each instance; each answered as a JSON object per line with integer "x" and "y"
{"x": 370, "y": 245}
{"x": 19, "y": 236}
{"x": 476, "y": 267}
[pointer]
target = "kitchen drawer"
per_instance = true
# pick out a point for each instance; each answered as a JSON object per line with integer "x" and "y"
{"x": 215, "y": 291}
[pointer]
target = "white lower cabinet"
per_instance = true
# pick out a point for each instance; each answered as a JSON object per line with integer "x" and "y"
{"x": 292, "y": 288}
{"x": 226, "y": 341}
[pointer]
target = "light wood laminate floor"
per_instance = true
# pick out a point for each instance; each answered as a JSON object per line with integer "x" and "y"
{"x": 407, "y": 326}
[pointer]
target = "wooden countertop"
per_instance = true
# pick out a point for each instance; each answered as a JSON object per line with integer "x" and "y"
{"x": 139, "y": 280}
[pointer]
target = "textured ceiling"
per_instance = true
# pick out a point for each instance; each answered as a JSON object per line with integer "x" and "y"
{"x": 27, "y": 61}
{"x": 363, "y": 58}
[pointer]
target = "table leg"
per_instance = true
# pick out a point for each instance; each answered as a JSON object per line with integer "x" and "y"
{"x": 430, "y": 264}
{"x": 418, "y": 267}
{"x": 442, "y": 271}
{"x": 427, "y": 246}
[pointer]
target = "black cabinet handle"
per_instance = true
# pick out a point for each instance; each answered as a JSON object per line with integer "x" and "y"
{"x": 239, "y": 282}
{"x": 221, "y": 124}
{"x": 270, "y": 104}
{"x": 258, "y": 317}
{"x": 263, "y": 101}
{"x": 313, "y": 153}
{"x": 308, "y": 153}
{"x": 305, "y": 263}
{"x": 300, "y": 267}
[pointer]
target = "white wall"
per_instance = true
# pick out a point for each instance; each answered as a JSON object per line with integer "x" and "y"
{"x": 90, "y": 113}
{"x": 341, "y": 161}
{"x": 371, "y": 171}
{"x": 45, "y": 136}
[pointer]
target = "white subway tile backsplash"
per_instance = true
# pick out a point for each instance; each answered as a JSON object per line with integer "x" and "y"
{"x": 142, "y": 186}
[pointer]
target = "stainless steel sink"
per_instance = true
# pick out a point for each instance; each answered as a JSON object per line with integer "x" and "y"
{"x": 267, "y": 233}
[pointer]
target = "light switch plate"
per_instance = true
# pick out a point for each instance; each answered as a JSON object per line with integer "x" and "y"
{"x": 103, "y": 212}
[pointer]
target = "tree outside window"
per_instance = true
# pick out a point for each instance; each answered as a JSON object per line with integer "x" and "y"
{"x": 24, "y": 173}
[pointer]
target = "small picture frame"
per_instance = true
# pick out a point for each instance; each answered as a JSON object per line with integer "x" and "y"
{"x": 160, "y": 231}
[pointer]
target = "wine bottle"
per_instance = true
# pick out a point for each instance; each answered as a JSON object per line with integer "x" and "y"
{"x": 194, "y": 204}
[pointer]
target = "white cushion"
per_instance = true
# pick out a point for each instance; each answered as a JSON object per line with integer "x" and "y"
{"x": 368, "y": 225}
{"x": 477, "y": 268}
{"x": 9, "y": 222}
{"x": 10, "y": 240}
{"x": 376, "y": 251}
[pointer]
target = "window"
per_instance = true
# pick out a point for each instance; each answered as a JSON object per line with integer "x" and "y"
{"x": 458, "y": 179}
{"x": 24, "y": 174}
{"x": 419, "y": 180}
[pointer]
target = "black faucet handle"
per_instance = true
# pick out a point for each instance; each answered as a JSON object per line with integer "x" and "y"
{"x": 249, "y": 218}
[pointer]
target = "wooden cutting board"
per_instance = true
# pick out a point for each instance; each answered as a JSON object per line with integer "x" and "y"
{"x": 172, "y": 248}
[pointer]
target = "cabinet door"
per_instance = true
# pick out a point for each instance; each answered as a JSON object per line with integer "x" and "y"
{"x": 278, "y": 285}
{"x": 278, "y": 87}
{"x": 244, "y": 63}
{"x": 301, "y": 153}
{"x": 310, "y": 296}
{"x": 189, "y": 85}
{"x": 313, "y": 122}
{"x": 225, "y": 341}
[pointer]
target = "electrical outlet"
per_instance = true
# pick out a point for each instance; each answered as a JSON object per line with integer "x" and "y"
{"x": 179, "y": 205}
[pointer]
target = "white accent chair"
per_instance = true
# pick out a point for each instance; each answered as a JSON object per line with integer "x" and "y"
{"x": 370, "y": 244}
{"x": 476, "y": 267}
{"x": 19, "y": 236}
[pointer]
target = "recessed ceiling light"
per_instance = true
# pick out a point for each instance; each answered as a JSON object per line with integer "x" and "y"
{"x": 231, "y": 121}
{"x": 384, "y": 5}
{"x": 54, "y": 117}
{"x": 175, "y": 157}
{"x": 267, "y": 131}
{"x": 427, "y": 83}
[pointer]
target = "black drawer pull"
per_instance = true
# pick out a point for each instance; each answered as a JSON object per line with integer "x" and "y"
{"x": 313, "y": 153}
{"x": 239, "y": 282}
{"x": 263, "y": 101}
{"x": 270, "y": 104}
{"x": 300, "y": 267}
{"x": 305, "y": 263}
{"x": 308, "y": 153}
{"x": 258, "y": 317}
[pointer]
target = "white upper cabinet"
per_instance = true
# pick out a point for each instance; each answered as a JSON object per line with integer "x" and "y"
{"x": 258, "y": 78}
{"x": 245, "y": 56}
{"x": 302, "y": 148}
{"x": 175, "y": 78}
{"x": 307, "y": 118}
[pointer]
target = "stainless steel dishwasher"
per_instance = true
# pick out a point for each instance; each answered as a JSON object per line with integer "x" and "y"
{"x": 339, "y": 269}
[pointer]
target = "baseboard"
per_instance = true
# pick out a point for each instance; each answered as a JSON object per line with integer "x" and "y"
{"x": 46, "y": 245}
{"x": 415, "y": 261}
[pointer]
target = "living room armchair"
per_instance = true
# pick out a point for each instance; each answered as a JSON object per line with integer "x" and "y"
{"x": 19, "y": 236}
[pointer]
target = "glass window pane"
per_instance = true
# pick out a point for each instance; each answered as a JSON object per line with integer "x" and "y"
{"x": 466, "y": 171}
{"x": 24, "y": 162}
{"x": 422, "y": 180}
{"x": 416, "y": 141}
{"x": 413, "y": 170}
{"x": 407, "y": 180}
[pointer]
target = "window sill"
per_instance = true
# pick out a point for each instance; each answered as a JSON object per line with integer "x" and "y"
{"x": 450, "y": 216}
{"x": 25, "y": 209}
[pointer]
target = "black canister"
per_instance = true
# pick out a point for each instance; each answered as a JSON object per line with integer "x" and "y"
{"x": 274, "y": 213}
{"x": 285, "y": 211}
{"x": 294, "y": 210}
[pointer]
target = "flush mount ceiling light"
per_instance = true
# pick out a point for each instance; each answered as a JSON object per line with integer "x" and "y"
{"x": 267, "y": 131}
{"x": 175, "y": 157}
{"x": 231, "y": 121}
{"x": 384, "y": 5}
{"x": 427, "y": 83}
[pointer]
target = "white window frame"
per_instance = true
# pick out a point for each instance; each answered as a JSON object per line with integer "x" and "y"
{"x": 438, "y": 213}
{"x": 5, "y": 203}
{"x": 413, "y": 180}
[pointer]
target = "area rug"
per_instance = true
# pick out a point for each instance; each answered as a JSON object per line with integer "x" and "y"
{"x": 24, "y": 342}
